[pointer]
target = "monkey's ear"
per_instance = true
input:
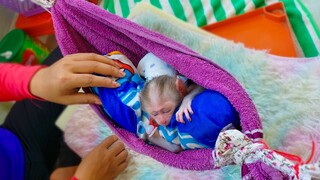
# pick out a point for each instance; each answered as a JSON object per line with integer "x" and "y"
{"x": 181, "y": 87}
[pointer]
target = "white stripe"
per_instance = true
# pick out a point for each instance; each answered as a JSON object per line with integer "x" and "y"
{"x": 193, "y": 145}
{"x": 117, "y": 8}
{"x": 249, "y": 6}
{"x": 149, "y": 1}
{"x": 268, "y": 2}
{"x": 228, "y": 8}
{"x": 309, "y": 26}
{"x": 189, "y": 13}
{"x": 208, "y": 12}
{"x": 131, "y": 5}
{"x": 185, "y": 136}
{"x": 126, "y": 96}
{"x": 166, "y": 7}
{"x": 168, "y": 131}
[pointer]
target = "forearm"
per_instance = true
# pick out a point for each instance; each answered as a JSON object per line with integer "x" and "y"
{"x": 63, "y": 173}
{"x": 15, "y": 80}
{"x": 194, "y": 90}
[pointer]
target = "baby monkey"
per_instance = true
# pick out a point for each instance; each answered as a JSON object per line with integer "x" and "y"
{"x": 161, "y": 96}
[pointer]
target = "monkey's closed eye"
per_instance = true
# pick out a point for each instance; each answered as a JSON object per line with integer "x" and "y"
{"x": 166, "y": 111}
{"x": 154, "y": 114}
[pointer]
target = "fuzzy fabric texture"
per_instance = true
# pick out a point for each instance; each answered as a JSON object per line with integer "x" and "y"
{"x": 285, "y": 91}
{"x": 78, "y": 29}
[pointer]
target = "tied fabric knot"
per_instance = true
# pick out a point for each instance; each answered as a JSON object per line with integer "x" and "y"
{"x": 234, "y": 147}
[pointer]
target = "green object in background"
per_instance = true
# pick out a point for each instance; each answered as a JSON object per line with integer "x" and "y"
{"x": 18, "y": 47}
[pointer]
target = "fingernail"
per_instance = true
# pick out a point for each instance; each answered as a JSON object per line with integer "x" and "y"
{"x": 122, "y": 72}
{"x": 98, "y": 102}
{"x": 115, "y": 83}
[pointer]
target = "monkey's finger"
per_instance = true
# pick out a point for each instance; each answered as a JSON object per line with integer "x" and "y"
{"x": 190, "y": 110}
{"x": 186, "y": 113}
{"x": 179, "y": 117}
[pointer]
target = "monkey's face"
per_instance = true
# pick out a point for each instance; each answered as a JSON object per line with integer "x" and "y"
{"x": 161, "y": 110}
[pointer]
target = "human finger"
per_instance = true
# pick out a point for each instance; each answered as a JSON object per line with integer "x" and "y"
{"x": 90, "y": 67}
{"x": 82, "y": 98}
{"x": 123, "y": 166}
{"x": 93, "y": 57}
{"x": 109, "y": 141}
{"x": 116, "y": 148}
{"x": 91, "y": 80}
{"x": 122, "y": 156}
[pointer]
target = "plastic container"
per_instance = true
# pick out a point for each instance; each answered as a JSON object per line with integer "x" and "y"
{"x": 37, "y": 25}
{"x": 25, "y": 7}
{"x": 264, "y": 29}
{"x": 18, "y": 47}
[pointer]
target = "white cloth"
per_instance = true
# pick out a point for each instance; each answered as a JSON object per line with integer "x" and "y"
{"x": 151, "y": 66}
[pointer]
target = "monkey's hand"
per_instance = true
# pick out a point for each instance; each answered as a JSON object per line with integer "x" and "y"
{"x": 185, "y": 109}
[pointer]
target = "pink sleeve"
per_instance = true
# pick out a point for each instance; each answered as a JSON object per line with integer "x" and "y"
{"x": 14, "y": 81}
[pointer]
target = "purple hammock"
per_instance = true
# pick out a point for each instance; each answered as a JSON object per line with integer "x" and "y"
{"x": 84, "y": 27}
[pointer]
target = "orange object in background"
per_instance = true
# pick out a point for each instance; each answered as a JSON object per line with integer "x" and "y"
{"x": 265, "y": 28}
{"x": 39, "y": 24}
{"x": 36, "y": 25}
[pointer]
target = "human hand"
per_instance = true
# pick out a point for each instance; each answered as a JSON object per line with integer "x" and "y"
{"x": 184, "y": 109}
{"x": 106, "y": 161}
{"x": 60, "y": 82}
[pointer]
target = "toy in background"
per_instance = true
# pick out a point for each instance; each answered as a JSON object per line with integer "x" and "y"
{"x": 22, "y": 45}
{"x": 18, "y": 47}
{"x": 33, "y": 18}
